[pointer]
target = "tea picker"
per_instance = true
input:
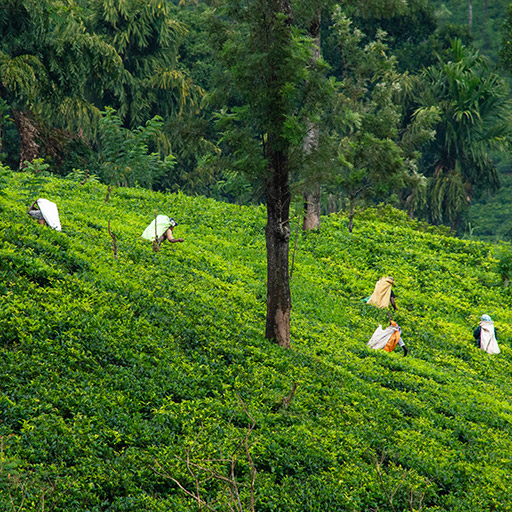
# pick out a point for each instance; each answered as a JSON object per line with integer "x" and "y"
{"x": 382, "y": 295}
{"x": 387, "y": 339}
{"x": 45, "y": 212}
{"x": 485, "y": 336}
{"x": 161, "y": 229}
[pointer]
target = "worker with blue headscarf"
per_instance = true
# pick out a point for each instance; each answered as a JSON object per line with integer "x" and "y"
{"x": 485, "y": 336}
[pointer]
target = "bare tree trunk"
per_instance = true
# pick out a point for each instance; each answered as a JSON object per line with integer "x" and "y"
{"x": 28, "y": 132}
{"x": 277, "y": 187}
{"x": 277, "y": 234}
{"x": 408, "y": 205}
{"x": 470, "y": 15}
{"x": 313, "y": 197}
{"x": 312, "y": 211}
{"x": 331, "y": 203}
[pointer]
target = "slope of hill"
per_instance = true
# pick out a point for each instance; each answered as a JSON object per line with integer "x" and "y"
{"x": 145, "y": 383}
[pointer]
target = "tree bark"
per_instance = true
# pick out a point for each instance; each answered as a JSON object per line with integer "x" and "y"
{"x": 277, "y": 188}
{"x": 277, "y": 235}
{"x": 312, "y": 211}
{"x": 313, "y": 197}
{"x": 28, "y": 132}
{"x": 470, "y": 15}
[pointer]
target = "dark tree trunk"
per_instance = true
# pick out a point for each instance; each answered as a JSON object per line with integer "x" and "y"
{"x": 277, "y": 235}
{"x": 29, "y": 133}
{"x": 277, "y": 191}
{"x": 313, "y": 197}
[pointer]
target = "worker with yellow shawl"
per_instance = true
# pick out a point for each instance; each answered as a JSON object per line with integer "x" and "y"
{"x": 383, "y": 295}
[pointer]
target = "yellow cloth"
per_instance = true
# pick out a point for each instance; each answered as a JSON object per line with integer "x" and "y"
{"x": 382, "y": 293}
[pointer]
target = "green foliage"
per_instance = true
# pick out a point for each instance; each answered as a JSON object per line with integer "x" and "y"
{"x": 124, "y": 154}
{"x": 486, "y": 27}
{"x": 146, "y": 36}
{"x": 35, "y": 179}
{"x": 377, "y": 150}
{"x": 82, "y": 177}
{"x": 504, "y": 256}
{"x": 506, "y": 43}
{"x": 473, "y": 126}
{"x": 4, "y": 174}
{"x": 38, "y": 165}
{"x": 236, "y": 186}
{"x": 109, "y": 366}
{"x": 48, "y": 61}
{"x": 490, "y": 214}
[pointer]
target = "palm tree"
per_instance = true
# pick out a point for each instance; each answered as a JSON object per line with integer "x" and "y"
{"x": 147, "y": 38}
{"x": 472, "y": 102}
{"x": 18, "y": 79}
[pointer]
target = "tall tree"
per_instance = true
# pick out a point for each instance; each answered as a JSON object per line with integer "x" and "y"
{"x": 376, "y": 149}
{"x": 273, "y": 92}
{"x": 313, "y": 194}
{"x": 147, "y": 35}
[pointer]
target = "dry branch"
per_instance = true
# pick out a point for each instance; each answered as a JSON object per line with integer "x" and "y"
{"x": 287, "y": 400}
{"x": 114, "y": 241}
{"x": 231, "y": 486}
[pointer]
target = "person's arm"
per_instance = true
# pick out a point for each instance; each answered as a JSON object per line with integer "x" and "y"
{"x": 168, "y": 235}
{"x": 32, "y": 206}
{"x": 392, "y": 300}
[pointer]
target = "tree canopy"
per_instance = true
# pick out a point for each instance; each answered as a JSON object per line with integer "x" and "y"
{"x": 395, "y": 100}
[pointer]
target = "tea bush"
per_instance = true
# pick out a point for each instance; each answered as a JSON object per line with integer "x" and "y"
{"x": 114, "y": 371}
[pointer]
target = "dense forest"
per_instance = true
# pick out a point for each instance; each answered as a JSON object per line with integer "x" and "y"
{"x": 371, "y": 102}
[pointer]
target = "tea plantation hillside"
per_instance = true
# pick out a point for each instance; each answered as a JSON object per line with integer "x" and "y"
{"x": 132, "y": 384}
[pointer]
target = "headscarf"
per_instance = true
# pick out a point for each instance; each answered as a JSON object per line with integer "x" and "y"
{"x": 485, "y": 318}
